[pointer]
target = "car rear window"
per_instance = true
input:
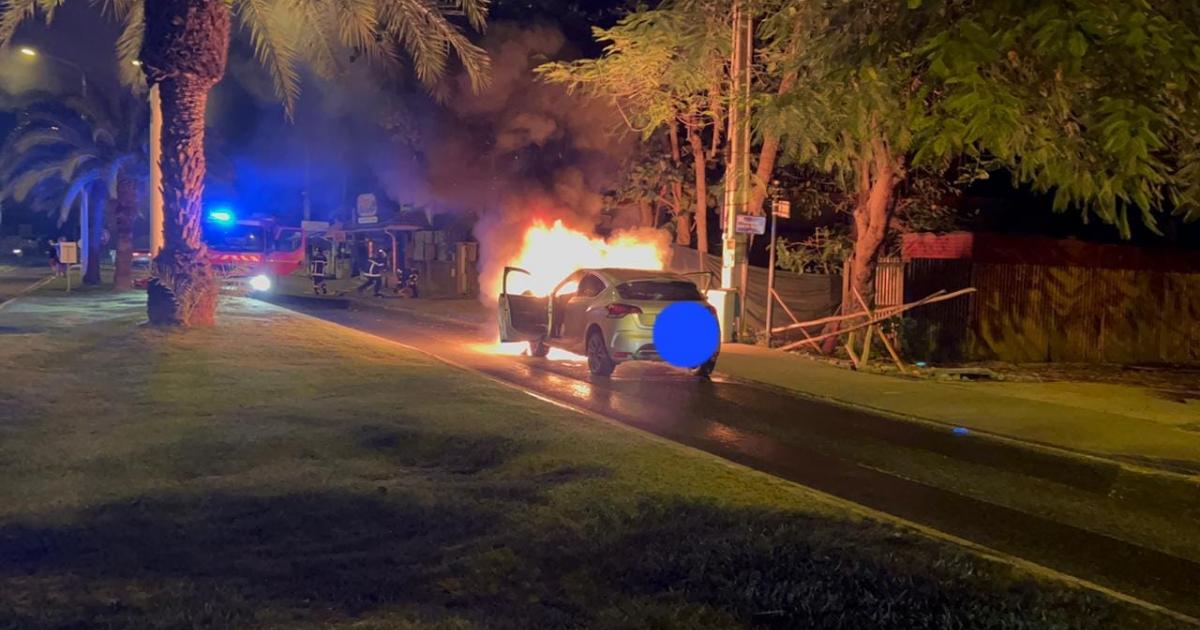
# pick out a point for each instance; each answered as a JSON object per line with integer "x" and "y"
{"x": 659, "y": 290}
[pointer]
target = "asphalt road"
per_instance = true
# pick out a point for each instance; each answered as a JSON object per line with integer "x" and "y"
{"x": 824, "y": 446}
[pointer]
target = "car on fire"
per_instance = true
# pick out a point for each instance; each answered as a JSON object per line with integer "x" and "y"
{"x": 606, "y": 314}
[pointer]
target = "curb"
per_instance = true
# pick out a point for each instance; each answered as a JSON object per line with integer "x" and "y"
{"x": 33, "y": 287}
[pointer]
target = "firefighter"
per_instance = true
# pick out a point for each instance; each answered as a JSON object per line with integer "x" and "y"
{"x": 411, "y": 283}
{"x": 374, "y": 273}
{"x": 316, "y": 268}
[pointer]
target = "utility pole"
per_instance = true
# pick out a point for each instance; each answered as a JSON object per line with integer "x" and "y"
{"x": 737, "y": 169}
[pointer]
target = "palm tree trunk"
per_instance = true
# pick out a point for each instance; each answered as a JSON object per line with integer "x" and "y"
{"x": 95, "y": 229}
{"x": 123, "y": 218}
{"x": 184, "y": 52}
{"x": 184, "y": 290}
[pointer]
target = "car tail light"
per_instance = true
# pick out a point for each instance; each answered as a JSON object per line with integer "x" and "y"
{"x": 621, "y": 310}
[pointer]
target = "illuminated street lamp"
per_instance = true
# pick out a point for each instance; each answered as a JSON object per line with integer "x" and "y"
{"x": 33, "y": 52}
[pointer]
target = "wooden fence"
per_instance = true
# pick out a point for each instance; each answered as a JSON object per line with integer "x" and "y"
{"x": 809, "y": 296}
{"x": 1032, "y": 313}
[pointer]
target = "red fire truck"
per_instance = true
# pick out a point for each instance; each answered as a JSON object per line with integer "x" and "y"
{"x": 250, "y": 254}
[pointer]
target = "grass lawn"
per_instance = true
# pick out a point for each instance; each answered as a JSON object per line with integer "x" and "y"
{"x": 277, "y": 471}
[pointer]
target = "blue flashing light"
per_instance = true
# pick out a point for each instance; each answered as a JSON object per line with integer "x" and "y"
{"x": 960, "y": 430}
{"x": 222, "y": 216}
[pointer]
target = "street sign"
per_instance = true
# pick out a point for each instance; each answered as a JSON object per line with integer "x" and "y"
{"x": 782, "y": 208}
{"x": 366, "y": 206}
{"x": 68, "y": 252}
{"x": 314, "y": 226}
{"x": 750, "y": 224}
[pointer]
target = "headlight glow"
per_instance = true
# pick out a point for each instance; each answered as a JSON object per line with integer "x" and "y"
{"x": 17, "y": 252}
{"x": 260, "y": 282}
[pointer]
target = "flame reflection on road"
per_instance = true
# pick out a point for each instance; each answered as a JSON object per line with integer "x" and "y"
{"x": 521, "y": 348}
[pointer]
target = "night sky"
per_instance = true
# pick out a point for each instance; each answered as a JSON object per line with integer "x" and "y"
{"x": 260, "y": 162}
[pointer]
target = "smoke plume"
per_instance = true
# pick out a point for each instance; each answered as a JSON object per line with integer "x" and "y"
{"x": 520, "y": 152}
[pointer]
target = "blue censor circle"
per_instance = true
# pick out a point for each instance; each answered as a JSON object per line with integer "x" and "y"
{"x": 686, "y": 334}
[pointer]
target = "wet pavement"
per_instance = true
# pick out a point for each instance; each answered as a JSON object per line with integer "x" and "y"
{"x": 823, "y": 446}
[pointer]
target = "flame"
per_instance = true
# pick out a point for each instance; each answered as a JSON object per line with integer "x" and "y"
{"x": 551, "y": 253}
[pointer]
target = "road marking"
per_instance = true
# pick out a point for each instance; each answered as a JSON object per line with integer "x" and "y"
{"x": 863, "y": 510}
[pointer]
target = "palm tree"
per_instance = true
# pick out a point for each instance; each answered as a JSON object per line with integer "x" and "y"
{"x": 182, "y": 46}
{"x": 83, "y": 152}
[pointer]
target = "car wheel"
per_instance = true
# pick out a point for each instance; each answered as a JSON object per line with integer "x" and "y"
{"x": 599, "y": 363}
{"x": 704, "y": 370}
{"x": 538, "y": 348}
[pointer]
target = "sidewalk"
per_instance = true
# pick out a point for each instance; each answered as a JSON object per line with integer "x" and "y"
{"x": 1130, "y": 424}
{"x": 1119, "y": 422}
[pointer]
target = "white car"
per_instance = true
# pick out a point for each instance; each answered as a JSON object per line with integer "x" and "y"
{"x": 606, "y": 314}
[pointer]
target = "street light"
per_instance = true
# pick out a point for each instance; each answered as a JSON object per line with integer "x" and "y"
{"x": 33, "y": 52}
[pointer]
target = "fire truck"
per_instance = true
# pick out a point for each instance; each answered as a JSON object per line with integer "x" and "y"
{"x": 250, "y": 254}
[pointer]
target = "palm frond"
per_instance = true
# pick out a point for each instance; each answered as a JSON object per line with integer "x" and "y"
{"x": 48, "y": 7}
{"x": 316, "y": 23}
{"x": 476, "y": 12}
{"x": 429, "y": 38}
{"x": 79, "y": 186}
{"x": 129, "y": 45}
{"x": 101, "y": 135}
{"x": 37, "y": 138}
{"x": 273, "y": 47}
{"x": 121, "y": 9}
{"x": 71, "y": 164}
{"x": 112, "y": 172}
{"x": 19, "y": 188}
{"x": 358, "y": 27}
{"x": 12, "y": 13}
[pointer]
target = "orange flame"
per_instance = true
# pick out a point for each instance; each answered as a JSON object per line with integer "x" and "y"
{"x": 550, "y": 254}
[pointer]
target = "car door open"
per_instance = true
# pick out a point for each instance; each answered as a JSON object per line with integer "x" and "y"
{"x": 522, "y": 317}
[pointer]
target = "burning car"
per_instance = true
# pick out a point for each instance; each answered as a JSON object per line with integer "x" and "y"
{"x": 606, "y": 314}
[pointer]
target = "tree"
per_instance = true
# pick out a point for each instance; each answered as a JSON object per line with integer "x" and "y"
{"x": 182, "y": 46}
{"x": 1093, "y": 101}
{"x": 664, "y": 70}
{"x": 82, "y": 151}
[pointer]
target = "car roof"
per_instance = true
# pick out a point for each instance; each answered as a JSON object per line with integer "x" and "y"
{"x": 618, "y": 275}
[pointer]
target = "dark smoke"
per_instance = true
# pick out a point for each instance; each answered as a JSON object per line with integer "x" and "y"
{"x": 519, "y": 152}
